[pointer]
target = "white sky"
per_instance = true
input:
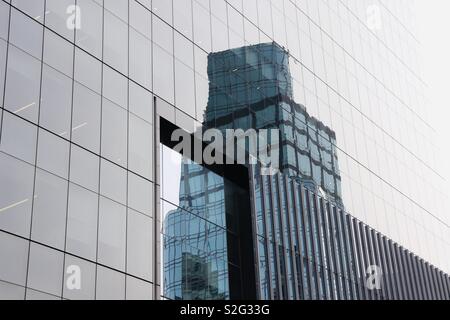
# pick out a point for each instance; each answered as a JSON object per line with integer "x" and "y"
{"x": 434, "y": 26}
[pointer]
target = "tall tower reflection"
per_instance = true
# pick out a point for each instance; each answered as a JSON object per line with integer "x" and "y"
{"x": 249, "y": 88}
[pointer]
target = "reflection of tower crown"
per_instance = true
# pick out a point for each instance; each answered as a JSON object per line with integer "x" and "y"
{"x": 251, "y": 88}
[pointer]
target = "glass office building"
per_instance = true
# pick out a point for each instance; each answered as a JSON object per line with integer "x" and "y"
{"x": 90, "y": 91}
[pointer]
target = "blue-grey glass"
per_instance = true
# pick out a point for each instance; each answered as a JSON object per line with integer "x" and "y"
{"x": 138, "y": 194}
{"x": 81, "y": 238}
{"x": 115, "y": 47}
{"x": 112, "y": 234}
{"x": 18, "y": 138}
{"x": 89, "y": 37}
{"x": 84, "y": 168}
{"x": 58, "y": 53}
{"x": 9, "y": 291}
{"x": 114, "y": 133}
{"x": 140, "y": 147}
{"x": 110, "y": 284}
{"x": 4, "y": 24}
{"x": 88, "y": 70}
{"x": 13, "y": 265}
{"x": 113, "y": 182}
{"x": 45, "y": 271}
{"x": 53, "y": 154}
{"x": 56, "y": 17}
{"x": 86, "y": 118}
{"x": 140, "y": 62}
{"x": 140, "y": 245}
{"x": 49, "y": 210}
{"x": 87, "y": 269}
{"x": 22, "y": 84}
{"x": 26, "y": 34}
{"x": 138, "y": 289}
{"x": 56, "y": 102}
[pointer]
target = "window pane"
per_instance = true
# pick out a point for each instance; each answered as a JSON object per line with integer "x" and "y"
{"x": 4, "y": 20}
{"x": 116, "y": 43}
{"x": 118, "y": 7}
{"x": 84, "y": 168}
{"x": 139, "y": 245}
{"x": 18, "y": 138}
{"x": 185, "y": 90}
{"x": 56, "y": 18}
{"x": 34, "y": 9}
{"x": 140, "y": 19}
{"x": 113, "y": 183}
{"x": 49, "y": 210}
{"x": 56, "y": 102}
{"x": 39, "y": 296}
{"x": 87, "y": 269}
{"x": 82, "y": 223}
{"x": 88, "y": 70}
{"x": 16, "y": 195}
{"x": 26, "y": 34}
{"x": 45, "y": 269}
{"x": 86, "y": 118}
{"x": 112, "y": 234}
{"x": 140, "y": 148}
{"x": 140, "y": 193}
{"x": 22, "y": 84}
{"x": 115, "y": 87}
{"x": 114, "y": 133}
{"x": 182, "y": 13}
{"x": 141, "y": 102}
{"x": 110, "y": 284}
{"x": 13, "y": 264}
{"x": 138, "y": 289}
{"x": 53, "y": 154}
{"x": 10, "y": 291}
{"x": 163, "y": 8}
{"x": 2, "y": 69}
{"x": 89, "y": 36}
{"x": 163, "y": 81}
{"x": 58, "y": 53}
{"x": 140, "y": 59}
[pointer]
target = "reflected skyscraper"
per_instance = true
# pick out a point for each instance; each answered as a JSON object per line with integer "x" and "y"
{"x": 304, "y": 244}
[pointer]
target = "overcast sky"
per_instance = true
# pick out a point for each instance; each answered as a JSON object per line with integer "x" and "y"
{"x": 434, "y": 25}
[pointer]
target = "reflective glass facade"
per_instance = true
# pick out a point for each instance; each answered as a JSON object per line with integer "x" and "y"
{"x": 84, "y": 84}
